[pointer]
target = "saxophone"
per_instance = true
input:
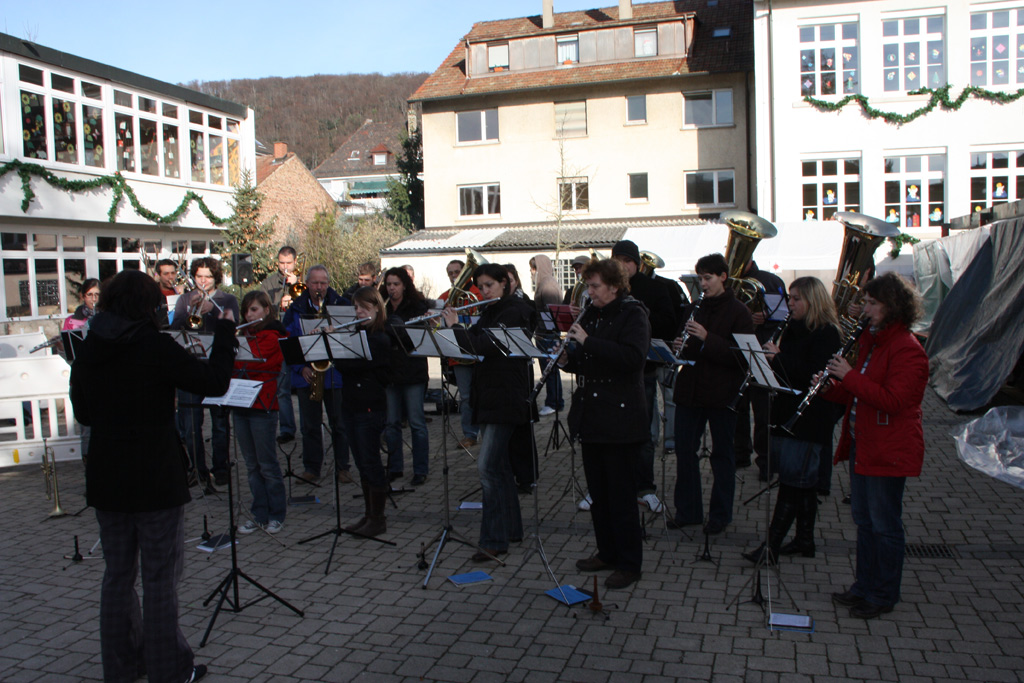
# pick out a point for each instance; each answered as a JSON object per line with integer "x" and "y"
{"x": 319, "y": 367}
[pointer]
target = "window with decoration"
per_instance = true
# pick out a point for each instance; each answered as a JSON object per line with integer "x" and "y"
{"x": 913, "y": 53}
{"x": 829, "y": 60}
{"x": 915, "y": 191}
{"x": 996, "y": 178}
{"x": 830, "y": 185}
{"x": 997, "y": 48}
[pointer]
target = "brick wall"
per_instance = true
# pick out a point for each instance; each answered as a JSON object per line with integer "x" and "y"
{"x": 293, "y": 195}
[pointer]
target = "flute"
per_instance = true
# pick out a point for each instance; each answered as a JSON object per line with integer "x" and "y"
{"x": 438, "y": 314}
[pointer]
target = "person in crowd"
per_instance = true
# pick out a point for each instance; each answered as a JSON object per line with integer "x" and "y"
{"x": 577, "y": 267}
{"x": 277, "y": 286}
{"x": 365, "y": 274}
{"x": 702, "y": 394}
{"x": 89, "y": 293}
{"x": 311, "y": 304}
{"x": 408, "y": 387}
{"x": 882, "y": 437}
{"x": 608, "y": 350}
{"x": 811, "y": 336}
{"x": 166, "y": 274}
{"x": 256, "y": 426}
{"x": 135, "y": 477}
{"x": 203, "y": 305}
{"x": 545, "y": 294}
{"x": 463, "y": 370}
{"x": 501, "y": 391}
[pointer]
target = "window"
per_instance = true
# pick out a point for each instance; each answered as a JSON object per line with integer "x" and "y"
{"x": 39, "y": 273}
{"x": 645, "y": 42}
{"x": 568, "y": 49}
{"x": 497, "y": 57}
{"x": 707, "y": 108}
{"x": 574, "y": 194}
{"x": 997, "y": 47}
{"x": 477, "y": 126}
{"x": 564, "y": 273}
{"x": 380, "y": 158}
{"x": 636, "y": 109}
{"x": 480, "y": 200}
{"x": 915, "y": 187}
{"x": 570, "y": 119}
{"x": 638, "y": 186}
{"x": 34, "y": 125}
{"x": 710, "y": 188}
{"x": 996, "y": 178}
{"x": 722, "y": 32}
{"x": 828, "y": 53}
{"x": 830, "y": 185}
{"x": 913, "y": 53}
{"x": 354, "y": 155}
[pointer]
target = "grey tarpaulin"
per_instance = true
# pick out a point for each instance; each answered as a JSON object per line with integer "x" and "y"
{"x": 994, "y": 444}
{"x": 978, "y": 332}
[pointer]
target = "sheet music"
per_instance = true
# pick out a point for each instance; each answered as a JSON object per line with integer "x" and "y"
{"x": 661, "y": 352}
{"x": 241, "y": 393}
{"x": 778, "y": 305}
{"x": 515, "y": 341}
{"x": 195, "y": 343}
{"x": 757, "y": 361}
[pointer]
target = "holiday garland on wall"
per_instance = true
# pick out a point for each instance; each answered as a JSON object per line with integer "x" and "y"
{"x": 939, "y": 96}
{"x": 116, "y": 183}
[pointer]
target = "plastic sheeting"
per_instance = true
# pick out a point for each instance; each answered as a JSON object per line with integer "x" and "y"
{"x": 994, "y": 444}
{"x": 938, "y": 264}
{"x": 978, "y": 332}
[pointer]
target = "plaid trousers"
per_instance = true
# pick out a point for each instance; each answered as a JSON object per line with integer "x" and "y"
{"x": 135, "y": 642}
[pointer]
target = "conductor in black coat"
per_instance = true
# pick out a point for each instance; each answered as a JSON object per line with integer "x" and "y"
{"x": 609, "y": 415}
{"x": 500, "y": 397}
{"x": 122, "y": 385}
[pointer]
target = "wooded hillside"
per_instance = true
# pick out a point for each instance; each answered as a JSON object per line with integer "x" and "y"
{"x": 313, "y": 114}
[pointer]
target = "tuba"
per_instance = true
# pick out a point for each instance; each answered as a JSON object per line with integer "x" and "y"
{"x": 459, "y": 294}
{"x": 649, "y": 262}
{"x": 861, "y": 237}
{"x": 746, "y": 230}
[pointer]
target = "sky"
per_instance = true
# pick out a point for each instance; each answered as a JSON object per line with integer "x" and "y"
{"x": 188, "y": 40}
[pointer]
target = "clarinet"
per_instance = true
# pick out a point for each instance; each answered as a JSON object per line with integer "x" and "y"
{"x": 557, "y": 352}
{"x": 825, "y": 376}
{"x": 774, "y": 339}
{"x": 686, "y": 335}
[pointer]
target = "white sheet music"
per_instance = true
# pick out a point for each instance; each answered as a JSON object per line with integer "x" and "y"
{"x": 241, "y": 393}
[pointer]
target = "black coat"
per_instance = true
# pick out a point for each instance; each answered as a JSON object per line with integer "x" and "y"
{"x": 715, "y": 378}
{"x": 406, "y": 369}
{"x": 803, "y": 353}
{"x": 610, "y": 405}
{"x": 364, "y": 381}
{"x": 501, "y": 385}
{"x": 122, "y": 385}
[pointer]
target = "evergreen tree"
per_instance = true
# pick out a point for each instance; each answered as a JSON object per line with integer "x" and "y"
{"x": 405, "y": 195}
{"x": 244, "y": 233}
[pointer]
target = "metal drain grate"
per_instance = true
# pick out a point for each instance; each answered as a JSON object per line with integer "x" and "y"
{"x": 931, "y": 551}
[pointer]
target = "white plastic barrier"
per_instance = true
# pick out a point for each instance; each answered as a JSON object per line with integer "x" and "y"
{"x": 34, "y": 404}
{"x": 18, "y": 345}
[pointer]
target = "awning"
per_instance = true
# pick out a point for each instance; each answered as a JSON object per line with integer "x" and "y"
{"x": 364, "y": 187}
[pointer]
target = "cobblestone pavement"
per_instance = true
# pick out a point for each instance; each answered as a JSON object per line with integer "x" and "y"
{"x": 369, "y": 618}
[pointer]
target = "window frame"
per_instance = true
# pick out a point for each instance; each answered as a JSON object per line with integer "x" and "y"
{"x": 718, "y": 176}
{"x": 493, "y": 64}
{"x": 647, "y": 188}
{"x": 485, "y": 129}
{"x": 579, "y": 189}
{"x": 907, "y": 77}
{"x": 573, "y": 40}
{"x": 639, "y": 34}
{"x": 716, "y": 95}
{"x": 901, "y": 182}
{"x": 1014, "y": 32}
{"x": 821, "y": 180}
{"x": 1013, "y": 173}
{"x": 636, "y": 122}
{"x": 811, "y": 79}
{"x": 560, "y": 131}
{"x": 485, "y": 197}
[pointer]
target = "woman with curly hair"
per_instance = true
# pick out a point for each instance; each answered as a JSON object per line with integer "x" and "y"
{"x": 882, "y": 437}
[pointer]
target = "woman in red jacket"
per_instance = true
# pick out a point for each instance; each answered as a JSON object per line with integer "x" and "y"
{"x": 256, "y": 427}
{"x": 882, "y": 437}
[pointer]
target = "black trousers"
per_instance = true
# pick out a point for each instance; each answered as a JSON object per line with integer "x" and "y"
{"x": 611, "y": 479}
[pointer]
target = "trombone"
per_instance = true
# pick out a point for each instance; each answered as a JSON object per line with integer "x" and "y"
{"x": 50, "y": 476}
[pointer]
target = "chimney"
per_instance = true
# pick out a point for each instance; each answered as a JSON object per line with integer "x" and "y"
{"x": 280, "y": 150}
{"x": 625, "y": 10}
{"x": 549, "y": 14}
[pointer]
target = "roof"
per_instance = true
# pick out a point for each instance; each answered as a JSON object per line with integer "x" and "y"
{"x": 368, "y": 138}
{"x": 708, "y": 54}
{"x": 63, "y": 60}
{"x": 266, "y": 164}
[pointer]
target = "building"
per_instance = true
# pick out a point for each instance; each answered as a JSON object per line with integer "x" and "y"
{"x": 157, "y": 161}
{"x": 291, "y": 194}
{"x": 923, "y": 164}
{"x": 605, "y": 120}
{"x": 356, "y": 174}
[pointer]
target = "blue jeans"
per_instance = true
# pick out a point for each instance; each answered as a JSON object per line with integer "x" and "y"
{"x": 310, "y": 421}
{"x": 190, "y": 426}
{"x": 410, "y": 398}
{"x": 363, "y": 429}
{"x": 464, "y": 381}
{"x": 255, "y": 430}
{"x": 501, "y": 519}
{"x": 286, "y": 411}
{"x": 796, "y": 461}
{"x": 876, "y": 504}
{"x": 553, "y": 384}
{"x": 690, "y": 422}
{"x": 644, "y": 464}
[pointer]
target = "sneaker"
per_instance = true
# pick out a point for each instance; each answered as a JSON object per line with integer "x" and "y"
{"x": 274, "y": 526}
{"x": 545, "y": 411}
{"x": 651, "y": 501}
{"x": 249, "y": 527}
{"x": 586, "y": 503}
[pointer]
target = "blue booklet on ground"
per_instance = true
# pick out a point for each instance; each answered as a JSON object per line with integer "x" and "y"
{"x": 471, "y": 577}
{"x": 572, "y": 596}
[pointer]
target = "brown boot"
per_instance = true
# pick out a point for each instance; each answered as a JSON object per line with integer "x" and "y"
{"x": 376, "y": 522}
{"x": 356, "y": 526}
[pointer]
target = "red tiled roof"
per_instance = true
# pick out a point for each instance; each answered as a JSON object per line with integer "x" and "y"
{"x": 266, "y": 164}
{"x": 368, "y": 138}
{"x": 708, "y": 54}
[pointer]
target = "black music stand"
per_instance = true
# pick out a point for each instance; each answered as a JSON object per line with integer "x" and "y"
{"x": 661, "y": 354}
{"x": 557, "y": 319}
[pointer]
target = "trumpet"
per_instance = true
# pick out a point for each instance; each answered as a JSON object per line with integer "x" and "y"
{"x": 686, "y": 335}
{"x": 298, "y": 288}
{"x": 195, "y": 312}
{"x": 50, "y": 475}
{"x": 438, "y": 314}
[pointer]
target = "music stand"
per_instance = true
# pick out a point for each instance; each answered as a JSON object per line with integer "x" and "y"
{"x": 556, "y": 320}
{"x": 662, "y": 355}
{"x": 198, "y": 345}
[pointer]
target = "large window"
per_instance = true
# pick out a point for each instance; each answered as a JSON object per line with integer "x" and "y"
{"x": 707, "y": 108}
{"x": 710, "y": 188}
{"x": 477, "y": 126}
{"x": 645, "y": 42}
{"x": 913, "y": 53}
{"x": 828, "y": 55}
{"x": 497, "y": 57}
{"x": 997, "y": 47}
{"x": 830, "y": 185}
{"x": 571, "y": 119}
{"x": 41, "y": 270}
{"x": 480, "y": 200}
{"x": 915, "y": 190}
{"x": 568, "y": 49}
{"x": 996, "y": 178}
{"x": 574, "y": 194}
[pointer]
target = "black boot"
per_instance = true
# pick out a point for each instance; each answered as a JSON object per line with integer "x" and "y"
{"x": 361, "y": 522}
{"x": 376, "y": 522}
{"x": 782, "y": 519}
{"x": 803, "y": 541}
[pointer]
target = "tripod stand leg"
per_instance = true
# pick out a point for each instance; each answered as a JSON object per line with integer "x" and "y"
{"x": 223, "y": 590}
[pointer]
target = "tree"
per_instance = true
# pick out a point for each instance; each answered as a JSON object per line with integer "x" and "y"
{"x": 342, "y": 245}
{"x": 405, "y": 195}
{"x": 244, "y": 233}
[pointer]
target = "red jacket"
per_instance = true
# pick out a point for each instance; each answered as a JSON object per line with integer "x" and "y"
{"x": 890, "y": 439}
{"x": 265, "y": 346}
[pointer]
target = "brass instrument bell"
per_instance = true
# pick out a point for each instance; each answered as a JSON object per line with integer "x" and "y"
{"x": 746, "y": 230}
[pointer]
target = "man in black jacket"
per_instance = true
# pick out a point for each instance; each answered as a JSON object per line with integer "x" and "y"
{"x": 277, "y": 286}
{"x": 135, "y": 475}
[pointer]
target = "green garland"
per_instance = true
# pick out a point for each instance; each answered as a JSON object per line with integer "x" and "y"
{"x": 898, "y": 241}
{"x": 116, "y": 183}
{"x": 938, "y": 97}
